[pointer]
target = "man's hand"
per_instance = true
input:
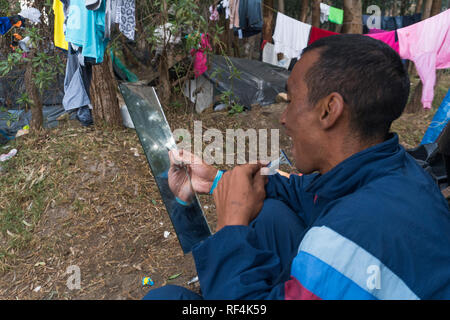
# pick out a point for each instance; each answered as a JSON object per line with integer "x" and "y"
{"x": 240, "y": 195}
{"x": 202, "y": 175}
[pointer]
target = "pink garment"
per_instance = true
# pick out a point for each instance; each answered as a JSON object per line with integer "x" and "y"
{"x": 375, "y": 30}
{"x": 200, "y": 57}
{"x": 387, "y": 37}
{"x": 214, "y": 13}
{"x": 427, "y": 43}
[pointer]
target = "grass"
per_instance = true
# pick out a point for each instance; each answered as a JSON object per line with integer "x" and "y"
{"x": 23, "y": 197}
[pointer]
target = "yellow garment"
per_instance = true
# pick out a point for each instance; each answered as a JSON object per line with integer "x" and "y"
{"x": 60, "y": 39}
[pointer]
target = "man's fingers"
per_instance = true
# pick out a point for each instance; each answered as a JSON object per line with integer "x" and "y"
{"x": 250, "y": 169}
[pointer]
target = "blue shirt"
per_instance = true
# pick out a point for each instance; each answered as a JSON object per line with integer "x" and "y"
{"x": 86, "y": 28}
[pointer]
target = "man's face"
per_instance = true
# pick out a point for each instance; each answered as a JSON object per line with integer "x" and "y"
{"x": 300, "y": 119}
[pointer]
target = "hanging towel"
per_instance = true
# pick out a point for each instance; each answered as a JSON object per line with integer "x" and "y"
{"x": 324, "y": 12}
{"x": 125, "y": 17}
{"x": 387, "y": 37}
{"x": 317, "y": 33}
{"x": 290, "y": 36}
{"x": 336, "y": 15}
{"x": 59, "y": 38}
{"x": 427, "y": 44}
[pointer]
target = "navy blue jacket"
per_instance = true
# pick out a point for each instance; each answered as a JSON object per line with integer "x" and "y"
{"x": 377, "y": 228}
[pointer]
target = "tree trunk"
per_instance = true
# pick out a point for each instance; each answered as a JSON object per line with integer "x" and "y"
{"x": 268, "y": 20}
{"x": 304, "y": 12}
{"x": 427, "y": 9}
{"x": 37, "y": 118}
{"x": 395, "y": 8}
{"x": 315, "y": 13}
{"x": 352, "y": 17}
{"x": 419, "y": 6}
{"x": 105, "y": 106}
{"x": 436, "y": 7}
{"x": 164, "y": 79}
{"x": 280, "y": 6}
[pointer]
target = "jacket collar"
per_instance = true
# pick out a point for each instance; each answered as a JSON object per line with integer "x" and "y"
{"x": 359, "y": 169}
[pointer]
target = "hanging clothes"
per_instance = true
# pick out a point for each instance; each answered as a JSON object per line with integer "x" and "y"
{"x": 427, "y": 44}
{"x": 317, "y": 33}
{"x": 388, "y": 37}
{"x": 411, "y": 19}
{"x": 110, "y": 16}
{"x": 59, "y": 38}
{"x": 224, "y": 5}
{"x": 336, "y": 15}
{"x": 5, "y": 25}
{"x": 125, "y": 17}
{"x": 77, "y": 81}
{"x": 250, "y": 17}
{"x": 85, "y": 28}
{"x": 234, "y": 13}
{"x": 214, "y": 13}
{"x": 93, "y": 4}
{"x": 324, "y": 12}
{"x": 375, "y": 30}
{"x": 290, "y": 36}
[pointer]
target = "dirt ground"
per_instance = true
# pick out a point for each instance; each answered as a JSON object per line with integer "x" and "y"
{"x": 83, "y": 196}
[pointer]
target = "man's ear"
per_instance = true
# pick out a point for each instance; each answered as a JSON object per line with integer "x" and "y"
{"x": 332, "y": 109}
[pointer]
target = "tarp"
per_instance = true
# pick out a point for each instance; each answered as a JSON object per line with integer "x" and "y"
{"x": 19, "y": 118}
{"x": 257, "y": 83}
{"x": 439, "y": 121}
{"x": 12, "y": 87}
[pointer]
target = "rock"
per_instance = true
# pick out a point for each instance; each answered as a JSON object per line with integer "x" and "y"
{"x": 282, "y": 97}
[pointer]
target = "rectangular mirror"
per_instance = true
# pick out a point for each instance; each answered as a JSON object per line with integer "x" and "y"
{"x": 156, "y": 138}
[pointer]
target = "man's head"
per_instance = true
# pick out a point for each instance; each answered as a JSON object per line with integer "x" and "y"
{"x": 344, "y": 93}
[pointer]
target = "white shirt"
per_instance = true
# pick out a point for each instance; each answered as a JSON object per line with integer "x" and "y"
{"x": 291, "y": 36}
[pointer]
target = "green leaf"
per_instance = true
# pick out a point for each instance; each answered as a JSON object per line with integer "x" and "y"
{"x": 175, "y": 276}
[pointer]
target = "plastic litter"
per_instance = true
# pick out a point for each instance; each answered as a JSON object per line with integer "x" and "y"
{"x": 166, "y": 234}
{"x": 8, "y": 155}
{"x": 193, "y": 280}
{"x": 147, "y": 281}
{"x": 32, "y": 14}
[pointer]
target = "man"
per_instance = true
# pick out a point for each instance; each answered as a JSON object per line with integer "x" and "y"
{"x": 363, "y": 222}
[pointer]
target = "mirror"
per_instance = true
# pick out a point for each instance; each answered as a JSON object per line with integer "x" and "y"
{"x": 156, "y": 138}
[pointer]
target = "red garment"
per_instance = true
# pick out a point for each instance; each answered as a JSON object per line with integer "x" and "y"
{"x": 317, "y": 33}
{"x": 387, "y": 37}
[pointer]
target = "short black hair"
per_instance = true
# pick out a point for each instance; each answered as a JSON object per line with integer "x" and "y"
{"x": 368, "y": 74}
